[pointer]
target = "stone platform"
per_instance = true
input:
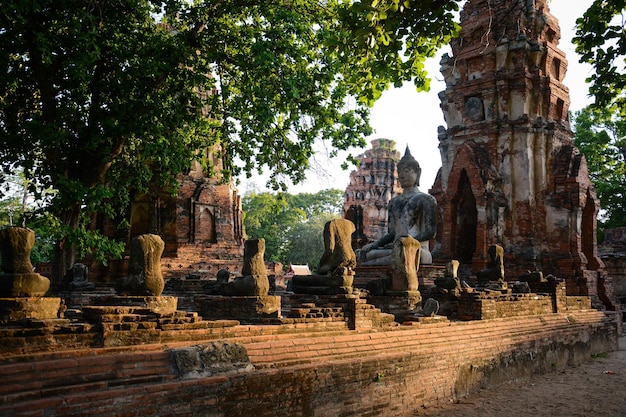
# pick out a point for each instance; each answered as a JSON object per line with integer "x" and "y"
{"x": 30, "y": 308}
{"x": 295, "y": 370}
{"x": 243, "y": 308}
{"x": 426, "y": 274}
{"x": 322, "y": 284}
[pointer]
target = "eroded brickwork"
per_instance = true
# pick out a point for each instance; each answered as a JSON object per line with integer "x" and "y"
{"x": 371, "y": 187}
{"x": 205, "y": 233}
{"x": 302, "y": 370}
{"x": 201, "y": 226}
{"x": 511, "y": 174}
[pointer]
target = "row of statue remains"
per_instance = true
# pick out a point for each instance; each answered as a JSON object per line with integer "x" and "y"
{"x": 450, "y": 296}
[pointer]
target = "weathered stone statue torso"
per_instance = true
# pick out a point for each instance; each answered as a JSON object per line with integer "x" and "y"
{"x": 254, "y": 281}
{"x": 144, "y": 268}
{"x": 18, "y": 278}
{"x": 338, "y": 257}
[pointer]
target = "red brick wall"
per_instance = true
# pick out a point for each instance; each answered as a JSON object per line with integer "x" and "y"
{"x": 390, "y": 373}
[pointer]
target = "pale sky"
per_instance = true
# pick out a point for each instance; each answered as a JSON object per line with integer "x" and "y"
{"x": 412, "y": 118}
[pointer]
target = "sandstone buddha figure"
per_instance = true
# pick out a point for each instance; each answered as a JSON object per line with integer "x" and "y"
{"x": 412, "y": 213}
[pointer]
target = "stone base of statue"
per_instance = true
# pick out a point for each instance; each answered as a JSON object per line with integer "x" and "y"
{"x": 322, "y": 284}
{"x": 247, "y": 309}
{"x": 23, "y": 285}
{"x": 138, "y": 320}
{"x": 30, "y": 308}
{"x": 162, "y": 304}
{"x": 496, "y": 285}
{"x": 399, "y": 303}
{"x": 426, "y": 275}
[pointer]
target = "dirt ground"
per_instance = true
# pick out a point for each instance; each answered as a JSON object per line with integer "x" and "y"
{"x": 596, "y": 388}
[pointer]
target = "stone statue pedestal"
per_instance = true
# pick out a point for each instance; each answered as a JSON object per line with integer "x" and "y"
{"x": 30, "y": 308}
{"x": 136, "y": 320}
{"x": 248, "y": 309}
{"x": 399, "y": 303}
{"x": 322, "y": 284}
{"x": 163, "y": 304}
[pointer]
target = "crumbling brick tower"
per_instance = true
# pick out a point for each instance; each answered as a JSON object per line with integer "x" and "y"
{"x": 510, "y": 172}
{"x": 371, "y": 187}
{"x": 201, "y": 225}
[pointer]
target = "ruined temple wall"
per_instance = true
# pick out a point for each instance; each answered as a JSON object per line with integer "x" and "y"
{"x": 390, "y": 373}
{"x": 613, "y": 253}
{"x": 205, "y": 233}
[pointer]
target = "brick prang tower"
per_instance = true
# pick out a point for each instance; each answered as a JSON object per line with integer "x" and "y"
{"x": 511, "y": 174}
{"x": 371, "y": 187}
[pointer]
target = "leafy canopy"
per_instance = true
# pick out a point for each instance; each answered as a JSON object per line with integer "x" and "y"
{"x": 388, "y": 41}
{"x": 601, "y": 41}
{"x": 101, "y": 98}
{"x": 601, "y": 137}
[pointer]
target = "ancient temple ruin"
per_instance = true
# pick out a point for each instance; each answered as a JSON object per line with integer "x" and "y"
{"x": 202, "y": 225}
{"x": 513, "y": 193}
{"x": 511, "y": 174}
{"x": 371, "y": 187}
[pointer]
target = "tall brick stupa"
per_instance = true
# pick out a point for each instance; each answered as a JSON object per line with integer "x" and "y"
{"x": 371, "y": 187}
{"x": 511, "y": 174}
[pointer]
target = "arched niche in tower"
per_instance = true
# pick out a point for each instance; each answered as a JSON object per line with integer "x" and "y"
{"x": 465, "y": 221}
{"x": 588, "y": 233}
{"x": 205, "y": 224}
{"x": 355, "y": 215}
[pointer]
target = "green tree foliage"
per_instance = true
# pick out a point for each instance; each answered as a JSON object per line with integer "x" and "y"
{"x": 291, "y": 224}
{"x": 601, "y": 41}
{"x": 269, "y": 216}
{"x": 96, "y": 99}
{"x": 388, "y": 41}
{"x": 322, "y": 202}
{"x": 101, "y": 98}
{"x": 601, "y": 137}
{"x": 304, "y": 242}
{"x": 18, "y": 208}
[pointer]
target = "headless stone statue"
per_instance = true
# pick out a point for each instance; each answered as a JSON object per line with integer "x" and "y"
{"x": 18, "y": 278}
{"x": 80, "y": 273}
{"x": 450, "y": 281}
{"x": 254, "y": 281}
{"x": 495, "y": 267}
{"x": 405, "y": 259}
{"x": 336, "y": 268}
{"x": 338, "y": 257}
{"x": 144, "y": 267}
{"x": 412, "y": 213}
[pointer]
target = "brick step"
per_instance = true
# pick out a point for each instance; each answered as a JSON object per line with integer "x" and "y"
{"x": 267, "y": 338}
